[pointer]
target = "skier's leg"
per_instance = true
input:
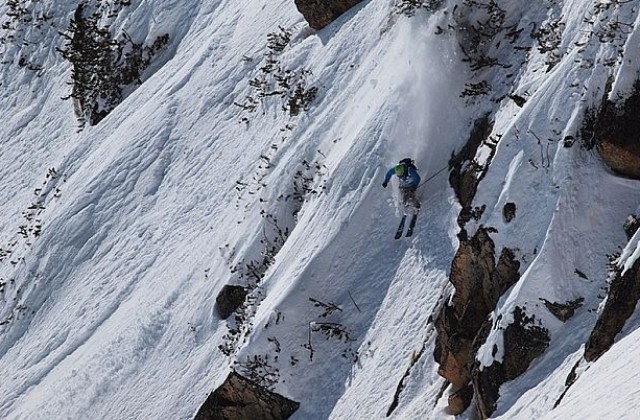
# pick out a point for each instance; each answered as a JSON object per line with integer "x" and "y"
{"x": 412, "y": 199}
{"x": 406, "y": 199}
{"x": 403, "y": 195}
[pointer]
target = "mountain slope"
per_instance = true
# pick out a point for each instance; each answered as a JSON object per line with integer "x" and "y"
{"x": 116, "y": 238}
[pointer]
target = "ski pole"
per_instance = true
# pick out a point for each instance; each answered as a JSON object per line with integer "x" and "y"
{"x": 431, "y": 177}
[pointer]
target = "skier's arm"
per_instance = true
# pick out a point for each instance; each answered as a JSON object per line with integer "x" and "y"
{"x": 415, "y": 177}
{"x": 388, "y": 176}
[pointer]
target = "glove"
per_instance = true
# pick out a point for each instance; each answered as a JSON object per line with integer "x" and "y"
{"x": 384, "y": 185}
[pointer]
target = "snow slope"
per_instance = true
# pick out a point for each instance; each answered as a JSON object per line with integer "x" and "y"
{"x": 109, "y": 312}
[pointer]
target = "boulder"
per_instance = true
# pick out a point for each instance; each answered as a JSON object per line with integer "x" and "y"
{"x": 241, "y": 399}
{"x": 509, "y": 212}
{"x": 320, "y": 13}
{"x": 229, "y": 299}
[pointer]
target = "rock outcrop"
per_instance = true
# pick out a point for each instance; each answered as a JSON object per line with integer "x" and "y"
{"x": 621, "y": 157}
{"x": 465, "y": 173}
{"x": 241, "y": 399}
{"x": 615, "y": 130}
{"x": 623, "y": 296}
{"x": 523, "y": 342}
{"x": 479, "y": 281}
{"x": 229, "y": 299}
{"x": 320, "y": 13}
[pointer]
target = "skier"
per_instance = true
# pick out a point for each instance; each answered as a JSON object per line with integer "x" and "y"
{"x": 409, "y": 180}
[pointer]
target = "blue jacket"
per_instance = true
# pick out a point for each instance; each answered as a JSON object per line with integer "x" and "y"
{"x": 411, "y": 180}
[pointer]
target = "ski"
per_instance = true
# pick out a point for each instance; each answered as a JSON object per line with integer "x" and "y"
{"x": 401, "y": 227}
{"x": 412, "y": 224}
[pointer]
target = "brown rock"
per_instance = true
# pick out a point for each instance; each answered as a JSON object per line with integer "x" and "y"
{"x": 478, "y": 279}
{"x": 505, "y": 275}
{"x": 451, "y": 350}
{"x": 320, "y": 13}
{"x": 479, "y": 282}
{"x": 471, "y": 268}
{"x": 240, "y": 399}
{"x": 460, "y": 400}
{"x": 622, "y": 158}
{"x": 615, "y": 129}
{"x": 455, "y": 367}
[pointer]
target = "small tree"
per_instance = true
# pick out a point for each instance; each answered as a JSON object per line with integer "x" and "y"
{"x": 102, "y": 65}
